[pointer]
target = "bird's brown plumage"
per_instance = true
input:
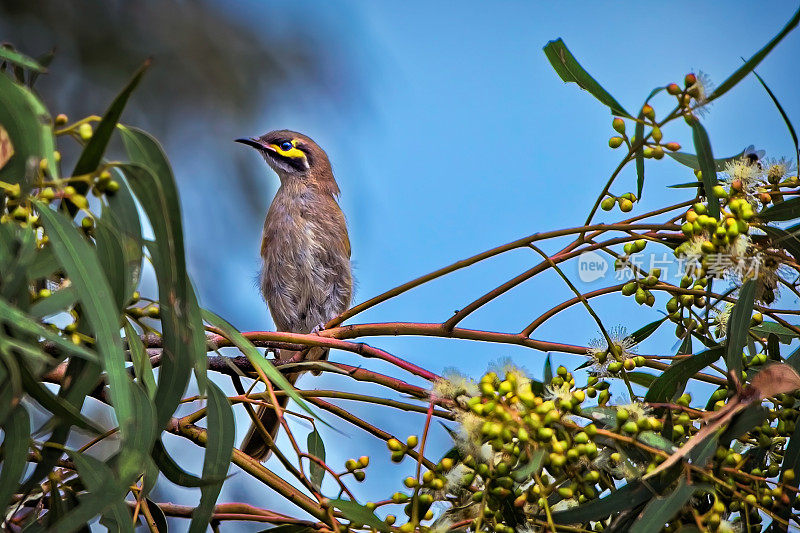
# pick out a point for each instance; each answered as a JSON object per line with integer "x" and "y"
{"x": 306, "y": 276}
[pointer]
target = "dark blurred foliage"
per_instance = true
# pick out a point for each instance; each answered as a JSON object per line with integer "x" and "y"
{"x": 212, "y": 72}
{"x": 204, "y": 56}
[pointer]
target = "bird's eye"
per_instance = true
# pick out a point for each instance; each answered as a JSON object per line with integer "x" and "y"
{"x": 286, "y": 146}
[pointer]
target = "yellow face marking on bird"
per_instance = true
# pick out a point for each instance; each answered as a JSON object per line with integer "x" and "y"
{"x": 293, "y": 152}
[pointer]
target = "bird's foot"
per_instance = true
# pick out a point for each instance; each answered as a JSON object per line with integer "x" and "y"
{"x": 319, "y": 327}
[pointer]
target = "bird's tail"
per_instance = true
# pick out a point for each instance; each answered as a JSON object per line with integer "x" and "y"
{"x": 254, "y": 443}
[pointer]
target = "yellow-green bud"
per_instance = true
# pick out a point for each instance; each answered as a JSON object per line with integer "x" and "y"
{"x": 85, "y": 131}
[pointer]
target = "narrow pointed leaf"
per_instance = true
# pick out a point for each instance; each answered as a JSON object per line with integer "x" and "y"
{"x": 109, "y": 251}
{"x": 784, "y": 116}
{"x": 141, "y": 362}
{"x": 738, "y": 326}
{"x": 316, "y": 447}
{"x": 661, "y": 510}
{"x": 787, "y": 210}
{"x": 256, "y": 359}
{"x": 124, "y": 216}
{"x": 23, "y": 323}
{"x": 639, "y": 134}
{"x": 17, "y": 58}
{"x": 632, "y": 494}
{"x": 784, "y": 334}
{"x": 667, "y": 384}
{"x": 57, "y": 406}
{"x": 171, "y": 470}
{"x": 92, "y": 153}
{"x": 753, "y": 62}
{"x": 569, "y": 70}
{"x": 16, "y": 437}
{"x": 645, "y": 331}
{"x": 106, "y": 493}
{"x": 82, "y": 267}
{"x": 707, "y": 167}
{"x": 61, "y": 300}
{"x": 219, "y": 448}
{"x": 359, "y": 514}
{"x": 693, "y": 162}
{"x": 153, "y": 183}
{"x": 548, "y": 370}
{"x": 29, "y": 128}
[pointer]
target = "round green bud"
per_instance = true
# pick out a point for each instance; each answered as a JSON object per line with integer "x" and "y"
{"x": 85, "y": 131}
{"x": 615, "y": 142}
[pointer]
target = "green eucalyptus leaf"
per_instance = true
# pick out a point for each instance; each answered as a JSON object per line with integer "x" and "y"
{"x": 219, "y": 448}
{"x": 707, "y": 166}
{"x": 641, "y": 378}
{"x": 316, "y": 447}
{"x": 632, "y": 494}
{"x": 16, "y": 439}
{"x": 743, "y": 422}
{"x": 645, "y": 331}
{"x": 533, "y": 466}
{"x": 159, "y": 518}
{"x": 785, "y": 335}
{"x": 92, "y": 154}
{"x": 256, "y": 359}
{"x": 678, "y": 373}
{"x": 663, "y": 509}
{"x": 639, "y": 135}
{"x": 82, "y": 267}
{"x": 17, "y": 58}
{"x": 738, "y": 326}
{"x": 753, "y": 62}
{"x": 23, "y": 323}
{"x": 123, "y": 214}
{"x": 58, "y": 302}
{"x": 359, "y": 514}
{"x": 29, "y": 127}
{"x": 786, "y": 210}
{"x": 656, "y": 440}
{"x": 784, "y": 116}
{"x": 548, "y": 370}
{"x": 172, "y": 471}
{"x": 152, "y": 181}
{"x": 569, "y": 70}
{"x": 693, "y": 162}
{"x": 57, "y": 406}
{"x": 142, "y": 368}
{"x": 106, "y": 495}
{"x": 109, "y": 251}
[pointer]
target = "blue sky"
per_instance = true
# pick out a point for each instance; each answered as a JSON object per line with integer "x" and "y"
{"x": 455, "y": 136}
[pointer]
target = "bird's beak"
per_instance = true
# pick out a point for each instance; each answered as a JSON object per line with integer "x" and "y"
{"x": 255, "y": 143}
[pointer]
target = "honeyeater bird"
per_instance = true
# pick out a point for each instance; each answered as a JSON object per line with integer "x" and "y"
{"x": 306, "y": 276}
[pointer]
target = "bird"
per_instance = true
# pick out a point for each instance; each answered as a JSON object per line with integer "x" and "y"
{"x": 306, "y": 274}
